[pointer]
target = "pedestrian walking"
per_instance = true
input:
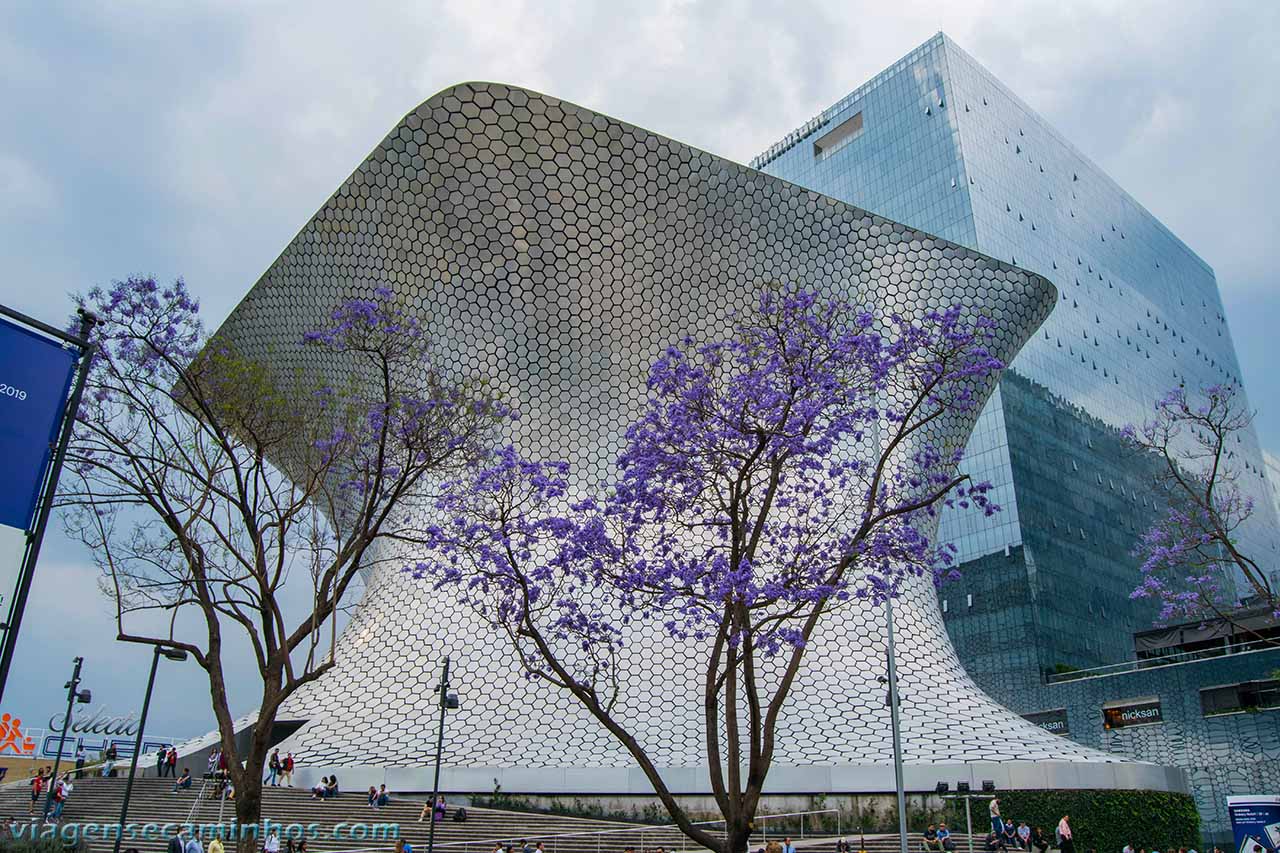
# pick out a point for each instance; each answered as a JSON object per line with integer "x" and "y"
{"x": 1065, "y": 842}
{"x": 273, "y": 768}
{"x": 61, "y": 793}
{"x": 80, "y": 761}
{"x": 37, "y": 788}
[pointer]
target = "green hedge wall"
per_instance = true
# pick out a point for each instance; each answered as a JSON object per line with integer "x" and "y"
{"x": 1100, "y": 820}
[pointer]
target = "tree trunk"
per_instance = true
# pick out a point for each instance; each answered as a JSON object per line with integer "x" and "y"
{"x": 249, "y": 787}
{"x": 736, "y": 837}
{"x": 249, "y": 812}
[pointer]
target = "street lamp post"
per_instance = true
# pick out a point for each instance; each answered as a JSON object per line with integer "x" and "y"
{"x": 73, "y": 696}
{"x": 968, "y": 821}
{"x": 446, "y": 701}
{"x": 171, "y": 654}
{"x": 897, "y": 735}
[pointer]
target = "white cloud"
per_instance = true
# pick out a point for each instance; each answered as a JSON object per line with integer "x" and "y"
{"x": 24, "y": 192}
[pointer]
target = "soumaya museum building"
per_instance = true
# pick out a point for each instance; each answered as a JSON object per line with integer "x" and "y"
{"x": 557, "y": 251}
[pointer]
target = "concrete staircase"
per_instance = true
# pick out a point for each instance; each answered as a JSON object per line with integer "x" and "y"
{"x": 347, "y": 823}
{"x": 95, "y": 803}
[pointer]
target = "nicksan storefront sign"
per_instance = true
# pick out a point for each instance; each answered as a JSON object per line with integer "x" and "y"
{"x": 1126, "y": 713}
{"x": 97, "y": 722}
{"x": 1054, "y": 722}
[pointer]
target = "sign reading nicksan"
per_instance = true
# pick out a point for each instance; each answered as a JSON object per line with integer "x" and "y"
{"x": 1054, "y": 722}
{"x": 1133, "y": 712}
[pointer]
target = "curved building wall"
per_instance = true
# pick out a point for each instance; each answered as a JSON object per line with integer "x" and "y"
{"x": 557, "y": 252}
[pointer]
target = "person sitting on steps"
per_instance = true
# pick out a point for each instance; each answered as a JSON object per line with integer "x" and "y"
{"x": 318, "y": 789}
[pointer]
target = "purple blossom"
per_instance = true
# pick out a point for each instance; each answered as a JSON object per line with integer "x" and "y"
{"x": 784, "y": 470}
{"x": 1191, "y": 556}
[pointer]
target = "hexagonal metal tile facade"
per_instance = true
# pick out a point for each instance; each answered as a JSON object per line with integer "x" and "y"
{"x": 557, "y": 251}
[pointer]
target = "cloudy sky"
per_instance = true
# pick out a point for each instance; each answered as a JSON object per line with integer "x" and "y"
{"x": 195, "y": 138}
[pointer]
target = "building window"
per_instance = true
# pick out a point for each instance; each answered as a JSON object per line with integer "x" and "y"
{"x": 1249, "y": 696}
{"x": 838, "y": 137}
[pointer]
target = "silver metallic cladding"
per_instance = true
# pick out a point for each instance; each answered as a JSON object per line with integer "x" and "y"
{"x": 557, "y": 251}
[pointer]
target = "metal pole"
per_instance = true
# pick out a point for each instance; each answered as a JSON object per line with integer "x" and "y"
{"x": 435, "y": 789}
{"x": 137, "y": 747}
{"x": 897, "y": 735}
{"x": 968, "y": 821}
{"x": 36, "y": 536}
{"x": 62, "y": 742}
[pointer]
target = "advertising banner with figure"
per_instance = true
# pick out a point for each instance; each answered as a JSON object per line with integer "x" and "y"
{"x": 35, "y": 375}
{"x": 37, "y": 364}
{"x": 1255, "y": 823}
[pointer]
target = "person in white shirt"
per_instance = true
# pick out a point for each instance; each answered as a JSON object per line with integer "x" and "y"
{"x": 272, "y": 845}
{"x": 1128, "y": 848}
{"x": 997, "y": 824}
{"x": 61, "y": 792}
{"x": 1065, "y": 844}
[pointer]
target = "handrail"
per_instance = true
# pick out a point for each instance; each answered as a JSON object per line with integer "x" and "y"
{"x": 25, "y": 781}
{"x": 641, "y": 828}
{"x": 1165, "y": 660}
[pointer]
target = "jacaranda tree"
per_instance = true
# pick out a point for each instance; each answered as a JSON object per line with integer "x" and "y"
{"x": 1192, "y": 549}
{"x": 218, "y": 497}
{"x": 771, "y": 478}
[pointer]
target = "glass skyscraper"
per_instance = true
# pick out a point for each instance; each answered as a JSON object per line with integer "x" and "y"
{"x": 936, "y": 142}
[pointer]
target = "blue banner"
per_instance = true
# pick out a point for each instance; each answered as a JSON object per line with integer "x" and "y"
{"x": 35, "y": 374}
{"x": 1255, "y": 823}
